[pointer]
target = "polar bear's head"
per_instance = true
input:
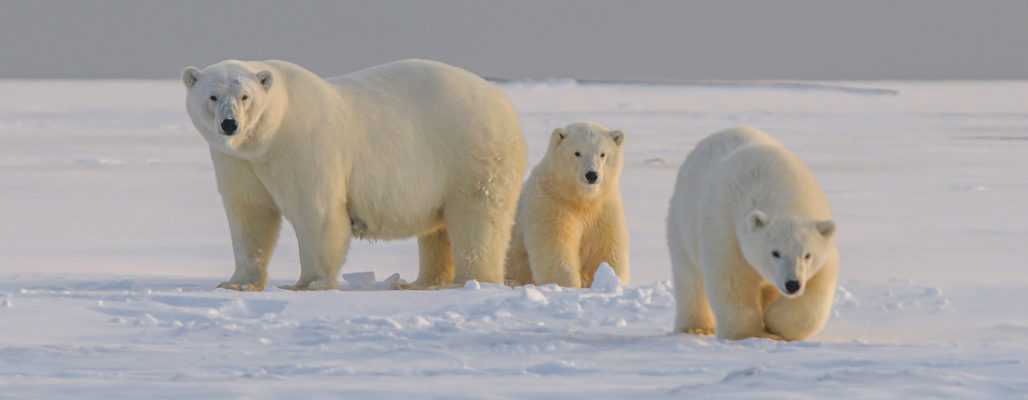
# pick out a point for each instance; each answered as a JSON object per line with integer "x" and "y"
{"x": 585, "y": 157}
{"x": 235, "y": 105}
{"x": 786, "y": 251}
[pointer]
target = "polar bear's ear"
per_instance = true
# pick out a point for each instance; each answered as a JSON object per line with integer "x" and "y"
{"x": 826, "y": 227}
{"x": 556, "y": 137}
{"x": 756, "y": 220}
{"x": 265, "y": 78}
{"x": 617, "y": 136}
{"x": 189, "y": 76}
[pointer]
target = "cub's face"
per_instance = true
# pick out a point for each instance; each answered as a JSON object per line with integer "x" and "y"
{"x": 786, "y": 251}
{"x": 227, "y": 102}
{"x": 586, "y": 156}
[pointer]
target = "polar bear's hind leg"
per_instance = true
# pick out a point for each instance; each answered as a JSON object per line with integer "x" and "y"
{"x": 480, "y": 232}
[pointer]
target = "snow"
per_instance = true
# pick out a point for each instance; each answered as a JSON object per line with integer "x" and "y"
{"x": 114, "y": 239}
{"x": 605, "y": 279}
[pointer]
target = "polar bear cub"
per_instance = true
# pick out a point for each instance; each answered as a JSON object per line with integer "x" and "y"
{"x": 751, "y": 239}
{"x": 570, "y": 218}
{"x": 411, "y": 148}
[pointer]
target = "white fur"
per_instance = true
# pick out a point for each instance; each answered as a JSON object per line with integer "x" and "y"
{"x": 741, "y": 197}
{"x": 565, "y": 226}
{"x": 409, "y": 148}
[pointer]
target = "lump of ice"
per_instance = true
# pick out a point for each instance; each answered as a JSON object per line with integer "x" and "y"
{"x": 360, "y": 279}
{"x": 534, "y": 296}
{"x": 605, "y": 280}
{"x": 366, "y": 281}
{"x": 392, "y": 282}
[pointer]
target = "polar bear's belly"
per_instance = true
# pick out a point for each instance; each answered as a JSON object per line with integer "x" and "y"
{"x": 389, "y": 227}
{"x": 395, "y": 212}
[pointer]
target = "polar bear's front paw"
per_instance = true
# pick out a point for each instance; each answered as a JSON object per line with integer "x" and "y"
{"x": 426, "y": 284}
{"x": 241, "y": 286}
{"x": 323, "y": 284}
{"x": 410, "y": 286}
{"x": 418, "y": 285}
{"x": 317, "y": 284}
{"x": 700, "y": 331}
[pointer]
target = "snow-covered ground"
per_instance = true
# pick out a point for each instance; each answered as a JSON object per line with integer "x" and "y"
{"x": 113, "y": 238}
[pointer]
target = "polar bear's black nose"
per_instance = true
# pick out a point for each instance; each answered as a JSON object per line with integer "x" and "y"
{"x": 792, "y": 286}
{"x": 229, "y": 126}
{"x": 591, "y": 177}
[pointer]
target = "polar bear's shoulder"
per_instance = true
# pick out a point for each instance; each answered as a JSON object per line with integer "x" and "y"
{"x": 729, "y": 146}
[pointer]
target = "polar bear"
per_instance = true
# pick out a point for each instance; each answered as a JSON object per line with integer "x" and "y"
{"x": 570, "y": 218}
{"x": 751, "y": 239}
{"x": 409, "y": 148}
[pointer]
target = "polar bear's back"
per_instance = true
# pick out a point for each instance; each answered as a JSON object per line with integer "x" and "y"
{"x": 423, "y": 86}
{"x": 761, "y": 173}
{"x": 702, "y": 163}
{"x": 716, "y": 147}
{"x": 414, "y": 78}
{"x": 434, "y": 104}
{"x": 731, "y": 172}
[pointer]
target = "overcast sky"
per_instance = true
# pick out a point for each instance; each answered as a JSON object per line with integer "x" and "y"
{"x": 601, "y": 39}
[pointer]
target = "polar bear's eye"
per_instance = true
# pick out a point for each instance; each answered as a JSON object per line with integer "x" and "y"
{"x": 577, "y": 154}
{"x": 245, "y": 98}
{"x": 214, "y": 98}
{"x": 602, "y": 155}
{"x": 776, "y": 254}
{"x": 806, "y": 256}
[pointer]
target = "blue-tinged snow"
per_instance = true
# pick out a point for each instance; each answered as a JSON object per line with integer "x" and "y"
{"x": 113, "y": 238}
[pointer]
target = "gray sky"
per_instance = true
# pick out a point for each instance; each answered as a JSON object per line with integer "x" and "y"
{"x": 601, "y": 39}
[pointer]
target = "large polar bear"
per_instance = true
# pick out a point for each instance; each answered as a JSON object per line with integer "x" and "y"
{"x": 751, "y": 239}
{"x": 570, "y": 218}
{"x": 409, "y": 148}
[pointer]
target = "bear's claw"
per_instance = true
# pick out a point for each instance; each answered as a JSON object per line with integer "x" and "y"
{"x": 426, "y": 286}
{"x": 319, "y": 284}
{"x": 242, "y": 287}
{"x": 415, "y": 286}
{"x": 700, "y": 331}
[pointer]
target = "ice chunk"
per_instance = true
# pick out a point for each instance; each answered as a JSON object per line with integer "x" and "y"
{"x": 392, "y": 282}
{"x": 360, "y": 279}
{"x": 533, "y": 295}
{"x": 605, "y": 280}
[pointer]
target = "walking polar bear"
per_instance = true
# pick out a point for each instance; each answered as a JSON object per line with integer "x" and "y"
{"x": 409, "y": 148}
{"x": 570, "y": 218}
{"x": 751, "y": 239}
